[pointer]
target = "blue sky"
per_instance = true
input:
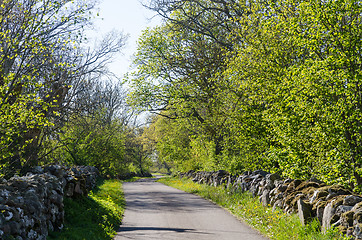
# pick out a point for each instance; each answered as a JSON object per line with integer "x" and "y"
{"x": 128, "y": 16}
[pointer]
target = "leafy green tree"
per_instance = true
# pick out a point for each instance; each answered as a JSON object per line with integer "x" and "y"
{"x": 175, "y": 73}
{"x": 137, "y": 152}
{"x": 299, "y": 69}
{"x": 96, "y": 134}
{"x": 95, "y": 144}
{"x": 171, "y": 142}
{"x": 182, "y": 67}
{"x": 42, "y": 67}
{"x": 33, "y": 35}
{"x": 272, "y": 85}
{"x": 324, "y": 89}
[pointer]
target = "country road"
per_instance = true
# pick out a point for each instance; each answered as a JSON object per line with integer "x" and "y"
{"x": 156, "y": 211}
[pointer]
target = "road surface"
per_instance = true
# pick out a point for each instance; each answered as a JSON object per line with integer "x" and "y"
{"x": 156, "y": 211}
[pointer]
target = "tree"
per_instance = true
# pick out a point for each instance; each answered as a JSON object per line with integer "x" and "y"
{"x": 170, "y": 141}
{"x": 98, "y": 135}
{"x": 30, "y": 31}
{"x": 42, "y": 66}
{"x": 176, "y": 66}
{"x": 181, "y": 64}
{"x": 273, "y": 85}
{"x": 325, "y": 87}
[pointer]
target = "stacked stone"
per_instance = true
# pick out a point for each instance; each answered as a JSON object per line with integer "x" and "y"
{"x": 79, "y": 180}
{"x": 312, "y": 199}
{"x": 32, "y": 205}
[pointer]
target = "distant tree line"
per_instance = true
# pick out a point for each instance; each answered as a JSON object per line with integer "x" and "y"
{"x": 243, "y": 85}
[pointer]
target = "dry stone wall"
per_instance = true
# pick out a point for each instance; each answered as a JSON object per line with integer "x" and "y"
{"x": 312, "y": 199}
{"x": 32, "y": 205}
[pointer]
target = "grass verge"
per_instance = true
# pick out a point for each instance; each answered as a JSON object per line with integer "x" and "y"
{"x": 96, "y": 216}
{"x": 273, "y": 224}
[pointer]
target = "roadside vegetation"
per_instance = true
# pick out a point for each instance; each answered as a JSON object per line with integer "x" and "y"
{"x": 94, "y": 217}
{"x": 274, "y": 224}
{"x": 247, "y": 85}
{"x": 234, "y": 85}
{"x": 59, "y": 102}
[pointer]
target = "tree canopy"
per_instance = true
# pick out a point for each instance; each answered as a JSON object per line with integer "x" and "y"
{"x": 58, "y": 101}
{"x": 264, "y": 84}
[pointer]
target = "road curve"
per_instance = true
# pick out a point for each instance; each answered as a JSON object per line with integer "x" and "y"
{"x": 156, "y": 211}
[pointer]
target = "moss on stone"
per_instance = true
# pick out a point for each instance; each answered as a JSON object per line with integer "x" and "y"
{"x": 320, "y": 196}
{"x": 320, "y": 204}
{"x": 336, "y": 201}
{"x": 290, "y": 197}
{"x": 334, "y": 218}
{"x": 358, "y": 217}
{"x": 307, "y": 185}
{"x": 347, "y": 218}
{"x": 294, "y": 184}
{"x": 338, "y": 189}
{"x": 294, "y": 201}
{"x": 357, "y": 207}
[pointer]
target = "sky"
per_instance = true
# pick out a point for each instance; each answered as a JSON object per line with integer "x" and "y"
{"x": 130, "y": 17}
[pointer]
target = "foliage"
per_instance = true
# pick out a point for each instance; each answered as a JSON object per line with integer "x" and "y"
{"x": 96, "y": 216}
{"x": 29, "y": 50}
{"x": 170, "y": 141}
{"x": 248, "y": 85}
{"x": 44, "y": 66}
{"x": 94, "y": 144}
{"x": 100, "y": 135}
{"x": 115, "y": 149}
{"x": 274, "y": 224}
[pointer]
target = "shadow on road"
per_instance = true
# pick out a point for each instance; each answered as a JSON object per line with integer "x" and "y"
{"x": 156, "y": 211}
{"x": 145, "y": 197}
{"x": 127, "y": 229}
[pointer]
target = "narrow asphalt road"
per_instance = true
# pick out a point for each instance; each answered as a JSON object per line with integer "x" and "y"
{"x": 156, "y": 211}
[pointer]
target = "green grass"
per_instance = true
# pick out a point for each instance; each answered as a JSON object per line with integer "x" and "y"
{"x": 96, "y": 216}
{"x": 273, "y": 224}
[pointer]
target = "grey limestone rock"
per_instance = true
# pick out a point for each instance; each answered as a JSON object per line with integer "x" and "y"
{"x": 351, "y": 200}
{"x": 304, "y": 211}
{"x": 358, "y": 231}
{"x": 264, "y": 198}
{"x": 328, "y": 214}
{"x": 342, "y": 209}
{"x": 31, "y": 205}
